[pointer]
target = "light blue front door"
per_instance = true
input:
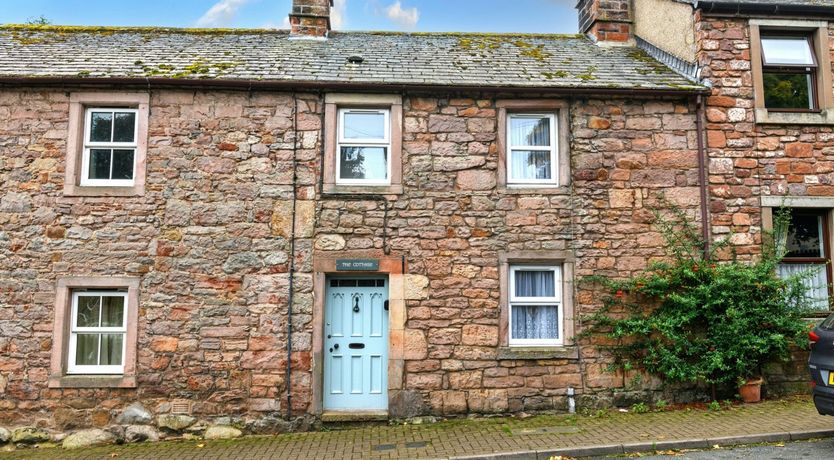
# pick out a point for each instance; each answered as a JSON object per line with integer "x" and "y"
{"x": 356, "y": 344}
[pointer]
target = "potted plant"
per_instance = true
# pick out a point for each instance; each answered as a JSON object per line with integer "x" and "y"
{"x": 750, "y": 389}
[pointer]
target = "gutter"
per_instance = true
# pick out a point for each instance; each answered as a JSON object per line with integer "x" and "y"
{"x": 264, "y": 85}
{"x": 739, "y": 7}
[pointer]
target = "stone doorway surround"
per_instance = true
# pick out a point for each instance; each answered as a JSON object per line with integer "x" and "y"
{"x": 395, "y": 267}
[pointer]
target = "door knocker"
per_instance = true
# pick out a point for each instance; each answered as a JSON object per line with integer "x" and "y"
{"x": 356, "y": 304}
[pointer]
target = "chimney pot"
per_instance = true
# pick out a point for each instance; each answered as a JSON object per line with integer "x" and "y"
{"x": 310, "y": 18}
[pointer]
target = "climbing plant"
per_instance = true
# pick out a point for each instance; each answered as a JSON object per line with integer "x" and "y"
{"x": 689, "y": 319}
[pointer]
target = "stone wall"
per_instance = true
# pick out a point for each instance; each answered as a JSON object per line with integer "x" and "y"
{"x": 210, "y": 241}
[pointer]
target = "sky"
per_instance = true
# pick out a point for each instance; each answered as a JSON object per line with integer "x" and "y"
{"x": 533, "y": 16}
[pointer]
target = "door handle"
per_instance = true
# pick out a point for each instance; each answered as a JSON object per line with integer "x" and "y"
{"x": 356, "y": 346}
{"x": 385, "y": 305}
{"x": 336, "y": 346}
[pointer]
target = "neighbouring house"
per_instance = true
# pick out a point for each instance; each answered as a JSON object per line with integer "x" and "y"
{"x": 426, "y": 203}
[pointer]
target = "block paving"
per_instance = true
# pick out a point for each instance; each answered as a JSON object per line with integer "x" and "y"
{"x": 464, "y": 437}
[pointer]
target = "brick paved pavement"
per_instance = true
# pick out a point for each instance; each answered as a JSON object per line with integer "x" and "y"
{"x": 469, "y": 437}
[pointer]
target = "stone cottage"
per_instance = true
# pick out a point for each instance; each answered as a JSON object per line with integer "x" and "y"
{"x": 423, "y": 202}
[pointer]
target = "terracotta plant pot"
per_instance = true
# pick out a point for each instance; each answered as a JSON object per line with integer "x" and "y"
{"x": 751, "y": 390}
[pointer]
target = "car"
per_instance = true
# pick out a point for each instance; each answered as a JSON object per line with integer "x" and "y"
{"x": 821, "y": 365}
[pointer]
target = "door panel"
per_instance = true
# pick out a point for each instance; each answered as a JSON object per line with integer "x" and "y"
{"x": 356, "y": 344}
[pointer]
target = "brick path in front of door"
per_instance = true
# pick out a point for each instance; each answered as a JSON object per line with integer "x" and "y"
{"x": 475, "y": 436}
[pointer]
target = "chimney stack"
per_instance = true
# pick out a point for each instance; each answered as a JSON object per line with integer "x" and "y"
{"x": 310, "y": 18}
{"x": 606, "y": 21}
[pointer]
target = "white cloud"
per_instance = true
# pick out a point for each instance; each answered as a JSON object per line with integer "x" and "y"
{"x": 221, "y": 13}
{"x": 407, "y": 17}
{"x": 338, "y": 14}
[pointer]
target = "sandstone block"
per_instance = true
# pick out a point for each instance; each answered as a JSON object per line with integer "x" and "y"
{"x": 477, "y": 334}
{"x": 475, "y": 179}
{"x": 415, "y": 346}
{"x": 330, "y": 242}
{"x": 416, "y": 287}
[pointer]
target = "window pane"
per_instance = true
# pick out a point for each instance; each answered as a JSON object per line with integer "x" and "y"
{"x": 530, "y": 165}
{"x": 530, "y": 131}
{"x": 101, "y": 124}
{"x": 88, "y": 311}
{"x": 535, "y": 322}
{"x": 122, "y": 164}
{"x": 529, "y": 283}
{"x": 100, "y": 163}
{"x": 787, "y": 51}
{"x": 364, "y": 125}
{"x": 112, "y": 311}
{"x": 111, "y": 349}
{"x": 86, "y": 350}
{"x": 788, "y": 91}
{"x": 816, "y": 285}
{"x": 124, "y": 127}
{"x": 369, "y": 163}
{"x": 805, "y": 236}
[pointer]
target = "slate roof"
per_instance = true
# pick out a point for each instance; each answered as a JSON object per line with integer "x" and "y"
{"x": 423, "y": 59}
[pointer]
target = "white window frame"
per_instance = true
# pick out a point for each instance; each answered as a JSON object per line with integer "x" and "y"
{"x": 546, "y": 301}
{"x": 342, "y": 142}
{"x": 73, "y": 368}
{"x": 553, "y": 148}
{"x": 89, "y": 145}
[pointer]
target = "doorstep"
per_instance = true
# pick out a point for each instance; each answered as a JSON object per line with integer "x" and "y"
{"x": 354, "y": 416}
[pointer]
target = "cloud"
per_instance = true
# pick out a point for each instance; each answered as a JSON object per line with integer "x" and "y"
{"x": 221, "y": 13}
{"x": 338, "y": 14}
{"x": 407, "y": 17}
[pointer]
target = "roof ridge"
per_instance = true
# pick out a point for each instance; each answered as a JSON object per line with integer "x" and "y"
{"x": 135, "y": 29}
{"x": 247, "y": 31}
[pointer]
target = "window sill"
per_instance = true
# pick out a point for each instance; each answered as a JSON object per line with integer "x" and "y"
{"x": 764, "y": 117}
{"x": 567, "y": 352}
{"x": 93, "y": 381}
{"x": 334, "y": 189}
{"x": 77, "y": 190}
{"x": 536, "y": 190}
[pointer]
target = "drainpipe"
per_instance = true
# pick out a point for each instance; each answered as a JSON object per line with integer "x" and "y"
{"x": 702, "y": 174}
{"x": 290, "y": 288}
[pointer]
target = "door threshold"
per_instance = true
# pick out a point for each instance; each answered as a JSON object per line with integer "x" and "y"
{"x": 354, "y": 416}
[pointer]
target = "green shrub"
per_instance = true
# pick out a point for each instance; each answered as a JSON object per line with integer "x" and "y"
{"x": 691, "y": 320}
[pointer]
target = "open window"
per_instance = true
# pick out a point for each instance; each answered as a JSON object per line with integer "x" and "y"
{"x": 808, "y": 249}
{"x": 791, "y": 66}
{"x": 789, "y": 72}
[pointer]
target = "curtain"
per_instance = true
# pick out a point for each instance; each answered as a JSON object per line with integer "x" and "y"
{"x": 530, "y": 164}
{"x": 527, "y": 131}
{"x": 535, "y": 322}
{"x": 529, "y": 283}
{"x": 816, "y": 285}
